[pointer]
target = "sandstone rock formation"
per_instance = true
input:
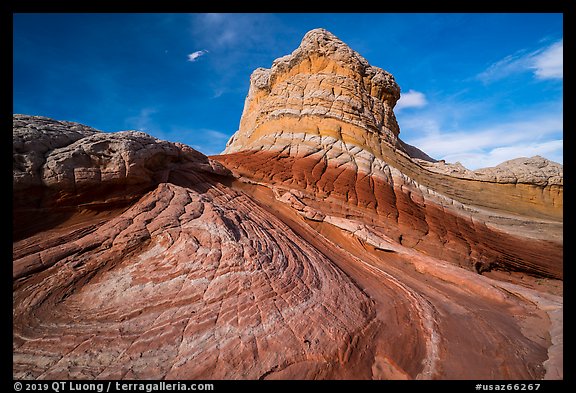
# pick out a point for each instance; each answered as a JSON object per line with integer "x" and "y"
{"x": 534, "y": 170}
{"x": 59, "y": 165}
{"x": 186, "y": 278}
{"x": 319, "y": 246}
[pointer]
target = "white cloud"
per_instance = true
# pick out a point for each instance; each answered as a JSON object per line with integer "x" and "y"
{"x": 501, "y": 69}
{"x": 537, "y": 134}
{"x": 195, "y": 55}
{"x": 411, "y": 99}
{"x": 550, "y": 149}
{"x": 544, "y": 63}
{"x": 549, "y": 63}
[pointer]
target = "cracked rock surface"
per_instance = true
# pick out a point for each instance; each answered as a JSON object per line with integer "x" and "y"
{"x": 320, "y": 246}
{"x": 190, "y": 280}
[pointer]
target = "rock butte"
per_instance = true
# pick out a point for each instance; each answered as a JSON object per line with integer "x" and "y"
{"x": 319, "y": 245}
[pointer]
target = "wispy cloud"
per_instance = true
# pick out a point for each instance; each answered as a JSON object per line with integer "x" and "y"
{"x": 238, "y": 44}
{"x": 224, "y": 29}
{"x": 205, "y": 140}
{"x": 545, "y": 63}
{"x": 192, "y": 57}
{"x": 235, "y": 31}
{"x": 549, "y": 63}
{"x": 411, "y": 99}
{"x": 218, "y": 92}
{"x": 215, "y": 135}
{"x": 143, "y": 120}
{"x": 474, "y": 160}
{"x": 537, "y": 133}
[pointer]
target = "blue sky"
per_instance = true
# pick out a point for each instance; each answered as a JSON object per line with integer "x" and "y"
{"x": 476, "y": 88}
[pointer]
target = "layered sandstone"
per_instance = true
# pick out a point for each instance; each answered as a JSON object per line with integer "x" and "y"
{"x": 320, "y": 246}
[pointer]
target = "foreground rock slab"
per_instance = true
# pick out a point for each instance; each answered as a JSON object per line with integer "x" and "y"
{"x": 191, "y": 280}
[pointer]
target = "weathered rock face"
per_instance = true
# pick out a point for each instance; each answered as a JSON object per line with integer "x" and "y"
{"x": 320, "y": 246}
{"x": 321, "y": 87}
{"x": 59, "y": 165}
